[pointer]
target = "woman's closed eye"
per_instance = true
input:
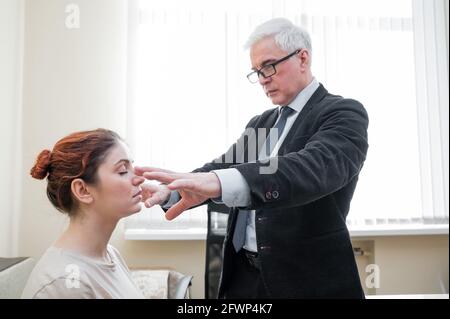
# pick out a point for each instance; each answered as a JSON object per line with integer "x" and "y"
{"x": 123, "y": 170}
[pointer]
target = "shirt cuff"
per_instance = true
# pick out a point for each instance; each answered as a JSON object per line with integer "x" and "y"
{"x": 235, "y": 190}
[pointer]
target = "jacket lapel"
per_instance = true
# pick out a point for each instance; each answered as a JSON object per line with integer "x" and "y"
{"x": 270, "y": 122}
{"x": 265, "y": 123}
{"x": 315, "y": 98}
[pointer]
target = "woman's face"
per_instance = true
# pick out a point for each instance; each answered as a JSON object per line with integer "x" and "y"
{"x": 117, "y": 192}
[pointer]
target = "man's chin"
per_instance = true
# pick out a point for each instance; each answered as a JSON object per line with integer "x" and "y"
{"x": 276, "y": 100}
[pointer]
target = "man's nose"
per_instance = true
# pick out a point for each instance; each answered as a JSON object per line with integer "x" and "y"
{"x": 137, "y": 180}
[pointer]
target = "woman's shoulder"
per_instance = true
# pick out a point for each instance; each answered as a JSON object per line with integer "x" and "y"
{"x": 56, "y": 275}
{"x": 63, "y": 288}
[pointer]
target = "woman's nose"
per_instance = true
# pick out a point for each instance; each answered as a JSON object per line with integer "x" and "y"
{"x": 138, "y": 180}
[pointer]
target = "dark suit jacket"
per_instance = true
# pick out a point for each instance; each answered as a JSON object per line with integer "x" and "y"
{"x": 302, "y": 238}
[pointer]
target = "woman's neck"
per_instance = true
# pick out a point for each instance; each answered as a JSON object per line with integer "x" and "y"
{"x": 88, "y": 234}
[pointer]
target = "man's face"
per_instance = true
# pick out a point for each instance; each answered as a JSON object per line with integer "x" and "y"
{"x": 289, "y": 79}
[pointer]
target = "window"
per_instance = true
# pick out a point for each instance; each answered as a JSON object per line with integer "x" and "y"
{"x": 189, "y": 98}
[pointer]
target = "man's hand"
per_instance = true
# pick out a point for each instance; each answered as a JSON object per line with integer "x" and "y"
{"x": 154, "y": 194}
{"x": 194, "y": 188}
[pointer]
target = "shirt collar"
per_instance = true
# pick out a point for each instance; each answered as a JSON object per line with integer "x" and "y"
{"x": 303, "y": 96}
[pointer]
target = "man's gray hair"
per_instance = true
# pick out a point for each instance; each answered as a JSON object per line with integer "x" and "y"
{"x": 287, "y": 35}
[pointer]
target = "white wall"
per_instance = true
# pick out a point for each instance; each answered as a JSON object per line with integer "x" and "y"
{"x": 10, "y": 104}
{"x": 407, "y": 264}
{"x": 412, "y": 265}
{"x": 75, "y": 79}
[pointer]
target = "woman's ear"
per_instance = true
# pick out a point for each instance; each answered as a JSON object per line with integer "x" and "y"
{"x": 81, "y": 192}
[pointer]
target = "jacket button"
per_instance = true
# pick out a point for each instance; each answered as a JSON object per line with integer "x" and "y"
{"x": 269, "y": 195}
{"x": 264, "y": 247}
{"x": 275, "y": 194}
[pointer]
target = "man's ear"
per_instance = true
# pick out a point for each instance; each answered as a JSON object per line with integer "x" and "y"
{"x": 304, "y": 57}
{"x": 81, "y": 192}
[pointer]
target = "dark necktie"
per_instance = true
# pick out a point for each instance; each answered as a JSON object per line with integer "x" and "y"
{"x": 241, "y": 222}
{"x": 286, "y": 111}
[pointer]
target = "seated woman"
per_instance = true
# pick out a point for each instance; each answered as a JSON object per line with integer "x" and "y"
{"x": 90, "y": 178}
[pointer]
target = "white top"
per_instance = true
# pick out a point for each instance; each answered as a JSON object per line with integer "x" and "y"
{"x": 63, "y": 274}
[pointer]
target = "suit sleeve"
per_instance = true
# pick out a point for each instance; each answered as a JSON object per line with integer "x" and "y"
{"x": 331, "y": 158}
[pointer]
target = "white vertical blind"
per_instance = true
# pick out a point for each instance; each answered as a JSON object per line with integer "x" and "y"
{"x": 190, "y": 99}
{"x": 431, "y": 52}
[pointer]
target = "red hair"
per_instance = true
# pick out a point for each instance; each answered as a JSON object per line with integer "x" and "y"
{"x": 77, "y": 155}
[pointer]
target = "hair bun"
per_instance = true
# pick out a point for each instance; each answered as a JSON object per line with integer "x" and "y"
{"x": 40, "y": 168}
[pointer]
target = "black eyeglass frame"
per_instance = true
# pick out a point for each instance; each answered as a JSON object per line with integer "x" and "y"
{"x": 271, "y": 67}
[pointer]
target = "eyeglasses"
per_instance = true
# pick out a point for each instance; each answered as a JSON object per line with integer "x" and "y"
{"x": 269, "y": 69}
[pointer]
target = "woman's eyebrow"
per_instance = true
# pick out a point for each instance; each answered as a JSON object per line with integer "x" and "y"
{"x": 124, "y": 160}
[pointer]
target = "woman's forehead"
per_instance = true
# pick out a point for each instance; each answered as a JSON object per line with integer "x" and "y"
{"x": 118, "y": 153}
